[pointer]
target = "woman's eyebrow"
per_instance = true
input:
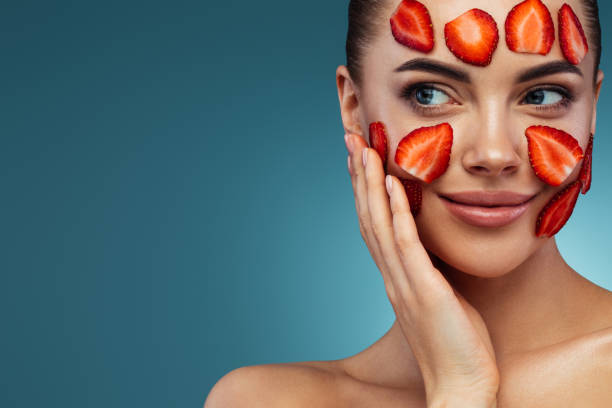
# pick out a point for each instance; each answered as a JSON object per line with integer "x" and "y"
{"x": 550, "y": 68}
{"x": 429, "y": 65}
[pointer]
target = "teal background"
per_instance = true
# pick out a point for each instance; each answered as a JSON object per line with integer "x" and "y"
{"x": 175, "y": 200}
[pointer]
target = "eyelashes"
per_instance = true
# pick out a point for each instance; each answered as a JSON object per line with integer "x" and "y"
{"x": 566, "y": 98}
{"x": 411, "y": 94}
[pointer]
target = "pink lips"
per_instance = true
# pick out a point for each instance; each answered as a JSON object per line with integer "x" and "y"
{"x": 487, "y": 208}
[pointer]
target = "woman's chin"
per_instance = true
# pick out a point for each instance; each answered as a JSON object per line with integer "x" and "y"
{"x": 485, "y": 255}
{"x": 478, "y": 248}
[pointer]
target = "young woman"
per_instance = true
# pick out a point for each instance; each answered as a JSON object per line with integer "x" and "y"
{"x": 481, "y": 114}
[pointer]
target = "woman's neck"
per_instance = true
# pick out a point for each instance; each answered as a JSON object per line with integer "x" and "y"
{"x": 541, "y": 302}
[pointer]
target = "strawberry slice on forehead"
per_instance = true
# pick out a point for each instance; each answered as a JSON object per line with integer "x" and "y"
{"x": 529, "y": 28}
{"x": 472, "y": 37}
{"x": 411, "y": 26}
{"x": 553, "y": 153}
{"x": 573, "y": 41}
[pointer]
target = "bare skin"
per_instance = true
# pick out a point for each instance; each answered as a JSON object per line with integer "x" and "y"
{"x": 550, "y": 329}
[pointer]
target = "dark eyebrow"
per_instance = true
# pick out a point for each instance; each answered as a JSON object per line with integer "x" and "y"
{"x": 429, "y": 65}
{"x": 548, "y": 69}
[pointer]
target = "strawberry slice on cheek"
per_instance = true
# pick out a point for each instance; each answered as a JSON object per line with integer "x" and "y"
{"x": 586, "y": 170}
{"x": 411, "y": 26}
{"x": 472, "y": 37}
{"x": 379, "y": 141}
{"x": 414, "y": 192}
{"x": 553, "y": 153}
{"x": 530, "y": 28}
{"x": 558, "y": 210}
{"x": 425, "y": 152}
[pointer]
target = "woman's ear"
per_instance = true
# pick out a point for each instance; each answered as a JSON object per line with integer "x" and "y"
{"x": 348, "y": 94}
{"x": 600, "y": 77}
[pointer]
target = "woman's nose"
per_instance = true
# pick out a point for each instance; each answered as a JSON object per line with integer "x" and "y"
{"x": 492, "y": 149}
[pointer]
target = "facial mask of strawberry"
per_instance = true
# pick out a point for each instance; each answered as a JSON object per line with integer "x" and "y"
{"x": 529, "y": 28}
{"x": 553, "y": 153}
{"x": 586, "y": 171}
{"x": 558, "y": 210}
{"x": 425, "y": 152}
{"x": 472, "y": 37}
{"x": 571, "y": 35}
{"x": 411, "y": 26}
{"x": 379, "y": 141}
{"x": 414, "y": 192}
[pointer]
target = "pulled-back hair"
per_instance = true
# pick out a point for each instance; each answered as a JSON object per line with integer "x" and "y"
{"x": 365, "y": 19}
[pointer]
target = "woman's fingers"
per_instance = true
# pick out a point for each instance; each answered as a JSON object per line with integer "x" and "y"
{"x": 381, "y": 219}
{"x": 361, "y": 204}
{"x": 422, "y": 275}
{"x": 440, "y": 332}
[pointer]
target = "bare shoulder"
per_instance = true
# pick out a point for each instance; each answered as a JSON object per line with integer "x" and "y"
{"x": 303, "y": 384}
{"x": 574, "y": 373}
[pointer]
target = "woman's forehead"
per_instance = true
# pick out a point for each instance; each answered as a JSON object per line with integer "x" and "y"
{"x": 446, "y": 10}
{"x": 388, "y": 54}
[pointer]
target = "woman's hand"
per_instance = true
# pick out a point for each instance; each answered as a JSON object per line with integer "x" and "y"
{"x": 447, "y": 335}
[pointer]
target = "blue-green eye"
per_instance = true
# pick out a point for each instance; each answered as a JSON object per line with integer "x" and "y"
{"x": 543, "y": 97}
{"x": 430, "y": 96}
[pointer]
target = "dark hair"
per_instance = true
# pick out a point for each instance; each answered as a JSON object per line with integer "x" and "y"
{"x": 364, "y": 21}
{"x": 591, "y": 10}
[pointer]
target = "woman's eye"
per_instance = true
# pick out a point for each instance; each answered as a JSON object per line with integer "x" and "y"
{"x": 543, "y": 97}
{"x": 430, "y": 96}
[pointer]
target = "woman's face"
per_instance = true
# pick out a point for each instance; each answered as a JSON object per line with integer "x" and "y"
{"x": 489, "y": 109}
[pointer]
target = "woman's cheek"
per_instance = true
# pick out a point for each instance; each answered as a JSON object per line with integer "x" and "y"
{"x": 423, "y": 153}
{"x": 554, "y": 155}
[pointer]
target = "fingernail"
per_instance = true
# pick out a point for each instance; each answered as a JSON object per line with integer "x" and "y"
{"x": 365, "y": 156}
{"x": 389, "y": 184}
{"x": 349, "y": 164}
{"x": 349, "y": 143}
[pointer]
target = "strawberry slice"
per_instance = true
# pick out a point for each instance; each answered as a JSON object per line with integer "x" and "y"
{"x": 414, "y": 192}
{"x": 530, "y": 28}
{"x": 553, "y": 153}
{"x": 378, "y": 140}
{"x": 425, "y": 152}
{"x": 558, "y": 210}
{"x": 571, "y": 35}
{"x": 411, "y": 26}
{"x": 472, "y": 37}
{"x": 586, "y": 172}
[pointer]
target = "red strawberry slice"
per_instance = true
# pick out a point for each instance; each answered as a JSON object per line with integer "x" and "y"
{"x": 472, "y": 37}
{"x": 411, "y": 26}
{"x": 414, "y": 192}
{"x": 530, "y": 28}
{"x": 553, "y": 153}
{"x": 378, "y": 140}
{"x": 558, "y": 210}
{"x": 586, "y": 170}
{"x": 571, "y": 35}
{"x": 425, "y": 152}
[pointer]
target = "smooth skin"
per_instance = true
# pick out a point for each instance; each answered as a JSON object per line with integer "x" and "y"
{"x": 484, "y": 316}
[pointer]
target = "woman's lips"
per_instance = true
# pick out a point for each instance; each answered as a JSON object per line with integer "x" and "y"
{"x": 487, "y": 208}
